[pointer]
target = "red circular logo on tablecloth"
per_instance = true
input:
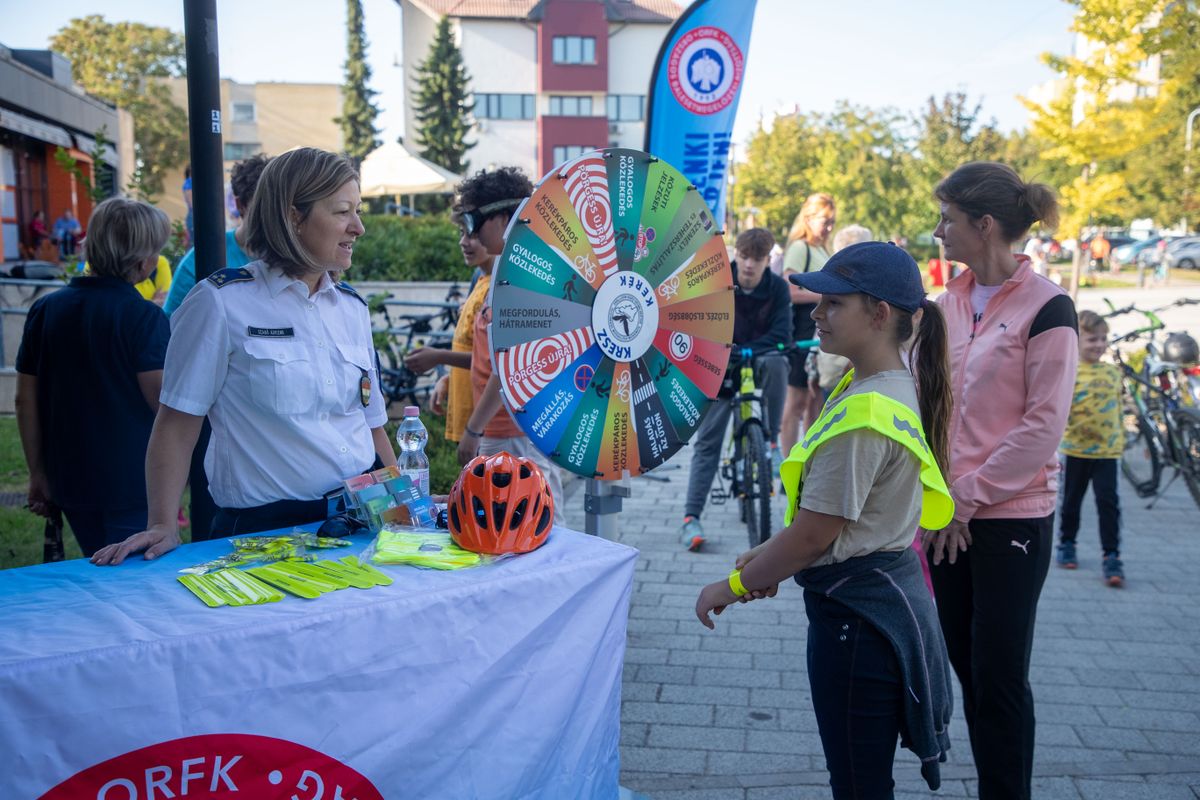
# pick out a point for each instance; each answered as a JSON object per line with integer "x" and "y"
{"x": 705, "y": 70}
{"x": 219, "y": 766}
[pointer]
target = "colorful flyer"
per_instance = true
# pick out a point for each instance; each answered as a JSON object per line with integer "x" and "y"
{"x": 612, "y": 313}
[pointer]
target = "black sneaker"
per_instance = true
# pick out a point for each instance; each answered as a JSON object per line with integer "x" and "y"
{"x": 1114, "y": 574}
{"x": 1066, "y": 555}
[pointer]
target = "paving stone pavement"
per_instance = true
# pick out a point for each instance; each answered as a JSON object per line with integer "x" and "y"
{"x": 726, "y": 714}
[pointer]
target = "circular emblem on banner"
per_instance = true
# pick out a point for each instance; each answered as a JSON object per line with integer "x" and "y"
{"x": 625, "y": 316}
{"x": 705, "y": 70}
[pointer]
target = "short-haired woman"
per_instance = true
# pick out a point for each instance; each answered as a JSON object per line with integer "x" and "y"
{"x": 807, "y": 251}
{"x": 89, "y": 372}
{"x": 280, "y": 359}
{"x": 1013, "y": 355}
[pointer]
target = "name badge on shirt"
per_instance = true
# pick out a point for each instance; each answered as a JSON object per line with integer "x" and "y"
{"x": 271, "y": 333}
{"x": 364, "y": 388}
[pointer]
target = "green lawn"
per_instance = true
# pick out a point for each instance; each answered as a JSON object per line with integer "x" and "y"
{"x": 21, "y": 532}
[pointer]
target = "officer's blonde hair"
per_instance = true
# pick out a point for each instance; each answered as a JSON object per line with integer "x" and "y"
{"x": 296, "y": 180}
{"x": 122, "y": 235}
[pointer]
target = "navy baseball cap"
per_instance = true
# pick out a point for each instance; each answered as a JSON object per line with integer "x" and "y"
{"x": 880, "y": 269}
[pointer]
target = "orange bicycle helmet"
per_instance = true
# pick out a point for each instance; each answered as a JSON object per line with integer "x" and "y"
{"x": 500, "y": 504}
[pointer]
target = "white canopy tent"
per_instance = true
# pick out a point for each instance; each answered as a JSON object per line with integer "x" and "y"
{"x": 392, "y": 170}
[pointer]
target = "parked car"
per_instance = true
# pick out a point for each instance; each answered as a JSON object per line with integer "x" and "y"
{"x": 1128, "y": 253}
{"x": 1183, "y": 253}
{"x": 1151, "y": 256}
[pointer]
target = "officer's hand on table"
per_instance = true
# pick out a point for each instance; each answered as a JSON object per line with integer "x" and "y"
{"x": 437, "y": 400}
{"x": 423, "y": 359}
{"x": 155, "y": 540}
{"x": 468, "y": 448}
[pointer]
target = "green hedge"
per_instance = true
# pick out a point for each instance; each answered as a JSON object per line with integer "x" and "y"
{"x": 408, "y": 249}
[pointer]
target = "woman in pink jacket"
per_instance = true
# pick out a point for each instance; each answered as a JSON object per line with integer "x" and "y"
{"x": 1013, "y": 354}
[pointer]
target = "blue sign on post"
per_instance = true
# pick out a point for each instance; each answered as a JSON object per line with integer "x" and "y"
{"x": 694, "y": 93}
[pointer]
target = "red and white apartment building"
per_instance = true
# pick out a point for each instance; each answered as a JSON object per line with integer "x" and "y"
{"x": 551, "y": 78}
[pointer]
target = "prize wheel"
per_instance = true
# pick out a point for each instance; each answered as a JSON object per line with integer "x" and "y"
{"x": 612, "y": 313}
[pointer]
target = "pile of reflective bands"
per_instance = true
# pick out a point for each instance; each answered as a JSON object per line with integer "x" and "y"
{"x": 262, "y": 584}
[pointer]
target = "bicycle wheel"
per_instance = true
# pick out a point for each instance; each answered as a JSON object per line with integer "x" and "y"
{"x": 1141, "y": 461}
{"x": 1187, "y": 424}
{"x": 756, "y": 485}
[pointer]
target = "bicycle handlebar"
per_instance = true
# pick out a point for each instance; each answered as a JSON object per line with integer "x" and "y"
{"x": 742, "y": 353}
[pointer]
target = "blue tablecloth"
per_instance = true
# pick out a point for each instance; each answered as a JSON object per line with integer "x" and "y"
{"x": 495, "y": 682}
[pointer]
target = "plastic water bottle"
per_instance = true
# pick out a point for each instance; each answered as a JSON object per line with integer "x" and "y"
{"x": 411, "y": 437}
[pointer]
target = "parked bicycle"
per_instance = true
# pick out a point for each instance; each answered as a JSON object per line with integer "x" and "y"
{"x": 1162, "y": 425}
{"x": 747, "y": 462}
{"x": 402, "y": 333}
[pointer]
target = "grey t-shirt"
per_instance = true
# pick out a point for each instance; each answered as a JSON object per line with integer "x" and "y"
{"x": 871, "y": 480}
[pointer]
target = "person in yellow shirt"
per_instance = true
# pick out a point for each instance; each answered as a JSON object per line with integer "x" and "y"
{"x": 453, "y": 396}
{"x": 155, "y": 287}
{"x": 1092, "y": 447}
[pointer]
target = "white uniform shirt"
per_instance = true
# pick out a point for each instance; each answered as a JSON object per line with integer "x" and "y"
{"x": 279, "y": 375}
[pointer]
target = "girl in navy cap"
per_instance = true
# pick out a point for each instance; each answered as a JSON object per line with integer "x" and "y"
{"x": 867, "y": 470}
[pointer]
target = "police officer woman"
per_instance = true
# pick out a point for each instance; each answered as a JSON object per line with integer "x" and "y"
{"x": 279, "y": 357}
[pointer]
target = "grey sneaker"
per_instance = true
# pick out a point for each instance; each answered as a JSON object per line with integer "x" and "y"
{"x": 691, "y": 534}
{"x": 1066, "y": 555}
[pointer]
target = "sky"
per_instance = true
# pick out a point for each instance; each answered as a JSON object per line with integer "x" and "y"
{"x": 803, "y": 55}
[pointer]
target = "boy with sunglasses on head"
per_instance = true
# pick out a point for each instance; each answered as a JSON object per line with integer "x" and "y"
{"x": 487, "y": 201}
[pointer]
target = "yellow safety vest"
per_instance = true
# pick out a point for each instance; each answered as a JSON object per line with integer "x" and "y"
{"x": 883, "y": 415}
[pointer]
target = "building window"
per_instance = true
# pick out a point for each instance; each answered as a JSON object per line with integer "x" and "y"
{"x": 236, "y": 151}
{"x": 570, "y": 106}
{"x": 574, "y": 49}
{"x": 626, "y": 107}
{"x": 566, "y": 152}
{"x": 504, "y": 106}
{"x": 243, "y": 112}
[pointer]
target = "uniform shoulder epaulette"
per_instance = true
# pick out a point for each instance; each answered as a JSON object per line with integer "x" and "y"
{"x": 225, "y": 277}
{"x": 348, "y": 289}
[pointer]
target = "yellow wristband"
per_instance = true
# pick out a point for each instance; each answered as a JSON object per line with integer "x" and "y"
{"x": 735, "y": 583}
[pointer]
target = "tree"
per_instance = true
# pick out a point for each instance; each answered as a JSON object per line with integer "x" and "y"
{"x": 358, "y": 112}
{"x": 95, "y": 190}
{"x": 124, "y": 63}
{"x": 950, "y": 134}
{"x": 441, "y": 102}
{"x": 1088, "y": 126}
{"x": 858, "y": 155}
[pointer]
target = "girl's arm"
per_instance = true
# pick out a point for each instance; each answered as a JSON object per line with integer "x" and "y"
{"x": 782, "y": 556}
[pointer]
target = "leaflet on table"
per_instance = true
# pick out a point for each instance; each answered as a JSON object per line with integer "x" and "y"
{"x": 386, "y": 495}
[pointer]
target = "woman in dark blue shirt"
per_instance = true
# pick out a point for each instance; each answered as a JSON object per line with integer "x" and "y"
{"x": 89, "y": 374}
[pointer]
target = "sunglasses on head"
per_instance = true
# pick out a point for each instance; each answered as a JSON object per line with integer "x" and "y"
{"x": 474, "y": 219}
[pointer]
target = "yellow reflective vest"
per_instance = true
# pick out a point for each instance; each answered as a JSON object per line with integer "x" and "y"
{"x": 885, "y": 416}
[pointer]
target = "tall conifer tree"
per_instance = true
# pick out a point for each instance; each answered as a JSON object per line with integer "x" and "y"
{"x": 358, "y": 112}
{"x": 442, "y": 103}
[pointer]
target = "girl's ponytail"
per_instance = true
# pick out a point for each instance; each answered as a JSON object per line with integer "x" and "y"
{"x": 932, "y": 369}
